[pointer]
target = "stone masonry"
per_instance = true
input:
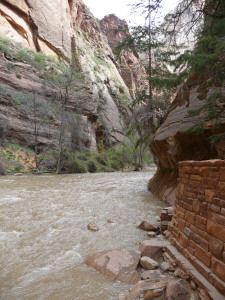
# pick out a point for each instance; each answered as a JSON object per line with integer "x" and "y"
{"x": 197, "y": 229}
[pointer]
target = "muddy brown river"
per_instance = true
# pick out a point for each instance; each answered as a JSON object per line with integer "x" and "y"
{"x": 44, "y": 237}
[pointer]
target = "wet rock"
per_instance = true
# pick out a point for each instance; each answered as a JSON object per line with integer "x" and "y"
{"x": 148, "y": 263}
{"x": 176, "y": 291}
{"x": 152, "y": 274}
{"x": 151, "y": 234}
{"x": 92, "y": 227}
{"x": 146, "y": 226}
{"x": 116, "y": 264}
{"x": 165, "y": 266}
{"x": 147, "y": 289}
{"x": 109, "y": 221}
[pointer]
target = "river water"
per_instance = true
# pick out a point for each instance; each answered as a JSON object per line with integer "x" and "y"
{"x": 44, "y": 237}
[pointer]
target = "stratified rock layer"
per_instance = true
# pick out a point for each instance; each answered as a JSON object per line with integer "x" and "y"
{"x": 171, "y": 144}
{"x": 64, "y": 29}
{"x": 129, "y": 64}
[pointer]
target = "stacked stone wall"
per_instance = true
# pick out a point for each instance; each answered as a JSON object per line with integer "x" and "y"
{"x": 197, "y": 229}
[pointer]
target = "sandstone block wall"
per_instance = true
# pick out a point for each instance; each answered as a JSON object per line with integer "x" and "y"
{"x": 198, "y": 226}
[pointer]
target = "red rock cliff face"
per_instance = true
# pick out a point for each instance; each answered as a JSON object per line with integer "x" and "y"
{"x": 172, "y": 145}
{"x": 64, "y": 28}
{"x": 130, "y": 66}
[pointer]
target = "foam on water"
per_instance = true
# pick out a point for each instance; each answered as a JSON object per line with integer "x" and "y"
{"x": 44, "y": 237}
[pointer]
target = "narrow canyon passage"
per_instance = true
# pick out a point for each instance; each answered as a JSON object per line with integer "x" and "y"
{"x": 44, "y": 237}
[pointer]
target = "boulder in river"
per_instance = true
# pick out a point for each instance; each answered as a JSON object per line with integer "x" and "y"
{"x": 92, "y": 227}
{"x": 116, "y": 264}
{"x": 151, "y": 248}
{"x": 146, "y": 226}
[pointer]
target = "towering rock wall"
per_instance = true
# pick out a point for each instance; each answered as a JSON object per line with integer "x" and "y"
{"x": 129, "y": 63}
{"x": 172, "y": 142}
{"x": 64, "y": 29}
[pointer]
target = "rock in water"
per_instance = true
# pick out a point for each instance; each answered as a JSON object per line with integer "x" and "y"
{"x": 92, "y": 227}
{"x": 146, "y": 226}
{"x": 116, "y": 264}
{"x": 148, "y": 263}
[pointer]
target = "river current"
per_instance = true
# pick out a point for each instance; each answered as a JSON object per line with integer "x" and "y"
{"x": 44, "y": 237}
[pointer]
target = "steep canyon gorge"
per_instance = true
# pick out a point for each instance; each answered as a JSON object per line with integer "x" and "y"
{"x": 39, "y": 42}
{"x": 66, "y": 30}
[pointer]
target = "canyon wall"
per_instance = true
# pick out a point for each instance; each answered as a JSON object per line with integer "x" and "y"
{"x": 197, "y": 229}
{"x": 129, "y": 62}
{"x": 174, "y": 141}
{"x": 62, "y": 29}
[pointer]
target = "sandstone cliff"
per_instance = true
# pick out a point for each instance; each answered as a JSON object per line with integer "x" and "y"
{"x": 174, "y": 141}
{"x": 62, "y": 29}
{"x": 129, "y": 62}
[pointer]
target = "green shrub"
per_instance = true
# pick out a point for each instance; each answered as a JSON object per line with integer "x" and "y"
{"x": 75, "y": 166}
{"x": 48, "y": 160}
{"x": 107, "y": 169}
{"x": 92, "y": 166}
{"x": 101, "y": 159}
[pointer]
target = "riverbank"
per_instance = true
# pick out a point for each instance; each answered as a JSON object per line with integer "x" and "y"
{"x": 17, "y": 159}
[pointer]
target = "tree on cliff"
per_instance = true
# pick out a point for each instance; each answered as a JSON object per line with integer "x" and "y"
{"x": 61, "y": 81}
{"x": 38, "y": 122}
{"x": 207, "y": 20}
{"x": 149, "y": 107}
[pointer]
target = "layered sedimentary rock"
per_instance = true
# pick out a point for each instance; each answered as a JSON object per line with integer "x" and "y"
{"x": 172, "y": 142}
{"x": 129, "y": 63}
{"x": 64, "y": 29}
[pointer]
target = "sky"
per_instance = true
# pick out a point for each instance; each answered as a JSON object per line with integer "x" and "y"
{"x": 100, "y": 8}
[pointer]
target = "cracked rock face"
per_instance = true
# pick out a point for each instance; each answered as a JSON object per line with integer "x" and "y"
{"x": 132, "y": 71}
{"x": 171, "y": 144}
{"x": 64, "y": 28}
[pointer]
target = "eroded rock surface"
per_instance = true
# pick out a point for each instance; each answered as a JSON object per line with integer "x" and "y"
{"x": 129, "y": 64}
{"x": 116, "y": 264}
{"x": 171, "y": 144}
{"x": 63, "y": 29}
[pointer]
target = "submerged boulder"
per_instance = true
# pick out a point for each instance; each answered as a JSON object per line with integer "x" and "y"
{"x": 116, "y": 264}
{"x": 146, "y": 226}
{"x": 92, "y": 227}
